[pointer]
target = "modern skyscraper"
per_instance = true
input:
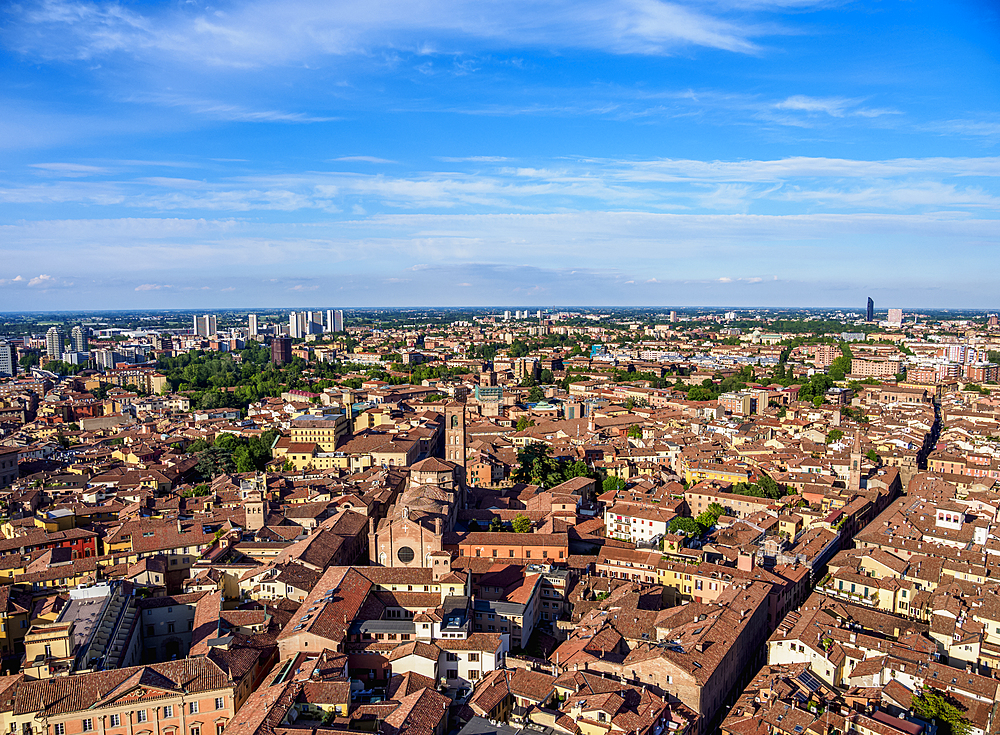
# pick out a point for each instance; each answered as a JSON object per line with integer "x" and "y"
{"x": 338, "y": 320}
{"x": 54, "y": 344}
{"x": 870, "y": 314}
{"x": 281, "y": 350}
{"x": 78, "y": 338}
{"x": 206, "y": 326}
{"x": 298, "y": 324}
{"x": 252, "y": 324}
{"x": 8, "y": 359}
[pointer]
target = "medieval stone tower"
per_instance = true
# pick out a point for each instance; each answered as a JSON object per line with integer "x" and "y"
{"x": 454, "y": 433}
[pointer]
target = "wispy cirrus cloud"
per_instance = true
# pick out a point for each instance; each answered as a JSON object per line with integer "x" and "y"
{"x": 568, "y": 184}
{"x": 69, "y": 169}
{"x": 258, "y": 34}
{"x": 363, "y": 159}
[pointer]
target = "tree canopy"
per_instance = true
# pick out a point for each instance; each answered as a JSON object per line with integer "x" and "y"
{"x": 537, "y": 466}
{"x": 521, "y": 524}
{"x": 933, "y": 705}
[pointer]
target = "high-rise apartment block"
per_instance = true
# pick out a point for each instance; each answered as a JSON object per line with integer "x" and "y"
{"x": 870, "y": 313}
{"x": 78, "y": 338}
{"x": 334, "y": 320}
{"x": 206, "y": 326}
{"x": 8, "y": 359}
{"x": 53, "y": 344}
{"x": 252, "y": 325}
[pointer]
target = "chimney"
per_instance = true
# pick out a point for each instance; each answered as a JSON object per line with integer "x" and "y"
{"x": 745, "y": 562}
{"x": 437, "y": 527}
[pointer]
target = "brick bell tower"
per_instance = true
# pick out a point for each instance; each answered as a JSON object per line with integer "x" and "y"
{"x": 455, "y": 442}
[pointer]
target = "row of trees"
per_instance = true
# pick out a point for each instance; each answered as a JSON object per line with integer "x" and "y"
{"x": 520, "y": 524}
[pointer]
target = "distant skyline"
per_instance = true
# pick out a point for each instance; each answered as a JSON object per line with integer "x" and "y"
{"x": 755, "y": 153}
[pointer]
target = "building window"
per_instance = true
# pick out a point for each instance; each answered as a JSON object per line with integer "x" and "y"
{"x": 452, "y": 673}
{"x": 60, "y": 729}
{"x": 473, "y": 675}
{"x": 220, "y": 702}
{"x": 168, "y": 711}
{"x": 473, "y": 657}
{"x": 194, "y": 708}
{"x": 527, "y": 554}
{"x": 88, "y": 725}
{"x": 170, "y": 627}
{"x": 140, "y": 715}
{"x": 115, "y": 720}
{"x": 449, "y": 656}
{"x": 195, "y": 731}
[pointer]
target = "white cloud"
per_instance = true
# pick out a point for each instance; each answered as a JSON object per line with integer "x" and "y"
{"x": 152, "y": 286}
{"x": 232, "y": 112}
{"x": 69, "y": 169}
{"x": 833, "y": 106}
{"x": 473, "y": 159}
{"x": 363, "y": 159}
{"x": 299, "y": 32}
{"x": 8, "y": 281}
{"x": 45, "y": 281}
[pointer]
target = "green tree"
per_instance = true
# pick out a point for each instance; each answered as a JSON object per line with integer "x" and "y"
{"x": 708, "y": 518}
{"x": 518, "y": 349}
{"x": 612, "y": 484}
{"x": 873, "y": 456}
{"x": 244, "y": 461}
{"x": 716, "y": 509}
{"x": 523, "y": 423}
{"x": 634, "y": 432}
{"x": 834, "y": 435}
{"x": 198, "y": 446}
{"x": 686, "y": 525}
{"x": 197, "y": 491}
{"x": 536, "y": 395}
{"x": 698, "y": 393}
{"x": 932, "y": 705}
{"x": 215, "y": 461}
{"x": 521, "y": 524}
{"x": 765, "y": 487}
{"x": 496, "y": 524}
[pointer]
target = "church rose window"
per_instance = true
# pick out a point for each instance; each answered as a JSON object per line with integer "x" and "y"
{"x": 405, "y": 554}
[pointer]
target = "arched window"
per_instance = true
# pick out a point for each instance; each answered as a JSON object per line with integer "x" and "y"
{"x": 454, "y": 421}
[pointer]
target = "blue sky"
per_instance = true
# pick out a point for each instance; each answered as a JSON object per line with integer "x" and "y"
{"x": 322, "y": 153}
